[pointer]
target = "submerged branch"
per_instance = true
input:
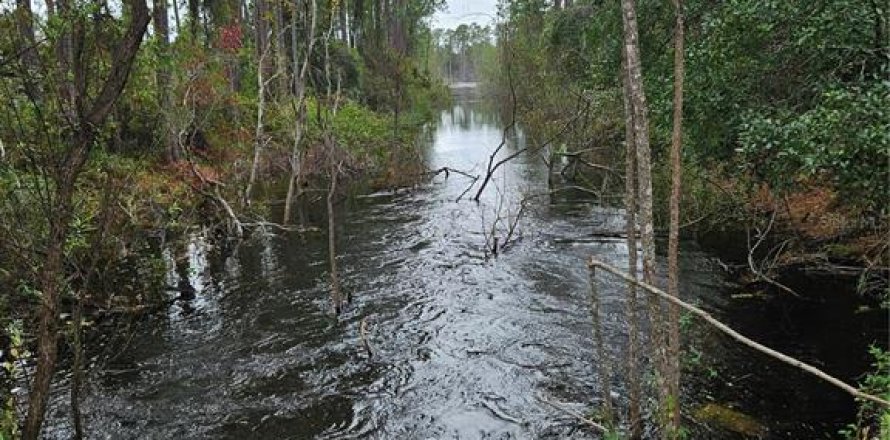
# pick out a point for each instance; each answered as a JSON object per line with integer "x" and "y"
{"x": 593, "y": 263}
{"x": 575, "y": 414}
{"x": 752, "y": 266}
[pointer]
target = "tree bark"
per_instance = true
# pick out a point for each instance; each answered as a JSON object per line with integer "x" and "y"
{"x": 261, "y": 24}
{"x": 630, "y": 208}
{"x": 336, "y": 296}
{"x": 299, "y": 111}
{"x": 674, "y": 228}
{"x": 344, "y": 22}
{"x": 604, "y": 360}
{"x": 259, "y": 135}
{"x": 163, "y": 79}
{"x": 194, "y": 18}
{"x": 176, "y": 17}
{"x": 51, "y": 275}
{"x": 280, "y": 50}
{"x": 644, "y": 188}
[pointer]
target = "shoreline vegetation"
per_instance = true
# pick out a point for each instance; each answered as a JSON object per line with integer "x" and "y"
{"x": 121, "y": 124}
{"x": 778, "y": 110}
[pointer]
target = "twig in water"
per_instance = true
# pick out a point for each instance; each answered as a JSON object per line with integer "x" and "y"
{"x": 751, "y": 265}
{"x": 448, "y": 171}
{"x": 574, "y": 414}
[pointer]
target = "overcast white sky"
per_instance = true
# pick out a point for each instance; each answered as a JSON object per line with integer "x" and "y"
{"x": 466, "y": 11}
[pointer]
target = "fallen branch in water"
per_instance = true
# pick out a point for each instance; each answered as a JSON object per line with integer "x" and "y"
{"x": 234, "y": 223}
{"x": 448, "y": 171}
{"x": 264, "y": 224}
{"x": 593, "y": 263}
{"x": 574, "y": 414}
{"x": 751, "y": 265}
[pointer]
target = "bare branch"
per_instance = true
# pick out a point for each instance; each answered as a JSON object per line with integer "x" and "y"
{"x": 739, "y": 337}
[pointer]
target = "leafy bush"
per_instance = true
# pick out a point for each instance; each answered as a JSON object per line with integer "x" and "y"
{"x": 874, "y": 421}
{"x": 842, "y": 141}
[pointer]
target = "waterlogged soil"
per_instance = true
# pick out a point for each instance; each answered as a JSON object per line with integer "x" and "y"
{"x": 462, "y": 345}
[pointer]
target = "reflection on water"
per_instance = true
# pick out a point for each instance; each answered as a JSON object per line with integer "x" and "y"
{"x": 463, "y": 345}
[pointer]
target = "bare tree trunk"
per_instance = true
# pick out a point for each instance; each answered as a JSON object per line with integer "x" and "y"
{"x": 261, "y": 23}
{"x": 259, "y": 135}
{"x": 630, "y": 208}
{"x": 176, "y": 17}
{"x": 332, "y": 240}
{"x": 194, "y": 7}
{"x": 300, "y": 112}
{"x": 644, "y": 188}
{"x": 163, "y": 79}
{"x": 604, "y": 360}
{"x": 344, "y": 22}
{"x": 280, "y": 50}
{"x": 674, "y": 229}
{"x": 50, "y": 287}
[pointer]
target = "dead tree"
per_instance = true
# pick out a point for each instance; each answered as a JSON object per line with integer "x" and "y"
{"x": 259, "y": 134}
{"x": 630, "y": 208}
{"x": 301, "y": 70}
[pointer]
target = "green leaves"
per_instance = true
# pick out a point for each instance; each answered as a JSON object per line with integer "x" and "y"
{"x": 842, "y": 142}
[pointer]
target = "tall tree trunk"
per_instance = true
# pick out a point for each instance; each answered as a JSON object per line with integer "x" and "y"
{"x": 344, "y": 22}
{"x": 176, "y": 20}
{"x": 163, "y": 79}
{"x": 644, "y": 185}
{"x": 398, "y": 36}
{"x": 356, "y": 21}
{"x": 280, "y": 50}
{"x": 336, "y": 296}
{"x": 674, "y": 229}
{"x": 332, "y": 100}
{"x": 261, "y": 23}
{"x": 299, "y": 110}
{"x": 50, "y": 287}
{"x": 194, "y": 18}
{"x": 51, "y": 277}
{"x": 604, "y": 361}
{"x": 259, "y": 135}
{"x": 630, "y": 208}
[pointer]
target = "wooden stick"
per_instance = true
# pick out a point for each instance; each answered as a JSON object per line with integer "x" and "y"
{"x": 574, "y": 414}
{"x": 363, "y": 332}
{"x": 593, "y": 263}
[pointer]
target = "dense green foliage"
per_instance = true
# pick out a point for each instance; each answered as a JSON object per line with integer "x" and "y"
{"x": 792, "y": 92}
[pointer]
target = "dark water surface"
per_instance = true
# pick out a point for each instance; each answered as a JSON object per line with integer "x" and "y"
{"x": 463, "y": 346}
